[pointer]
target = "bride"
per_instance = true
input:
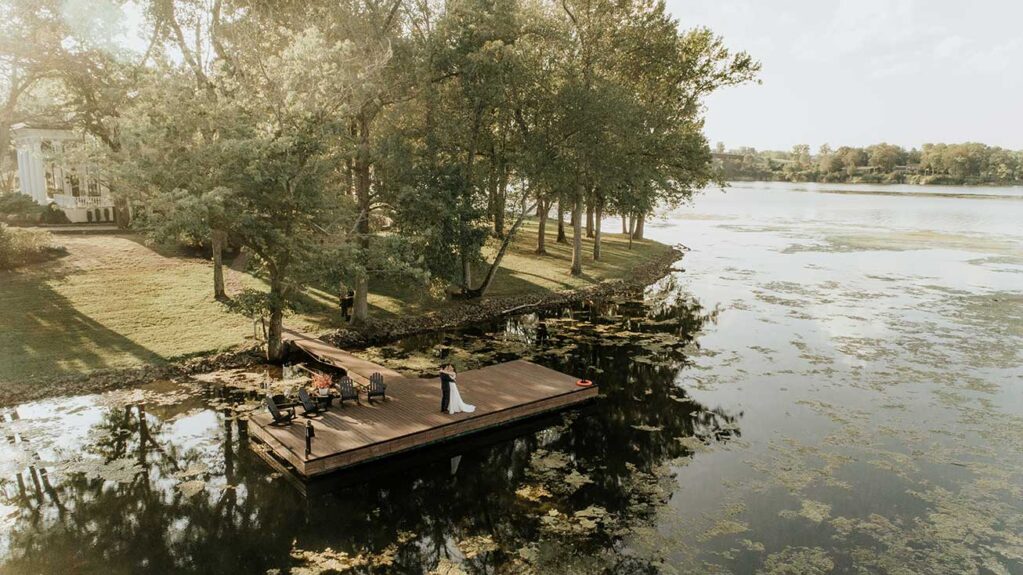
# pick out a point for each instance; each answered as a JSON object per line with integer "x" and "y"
{"x": 455, "y": 404}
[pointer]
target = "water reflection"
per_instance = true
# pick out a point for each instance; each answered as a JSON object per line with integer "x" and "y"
{"x": 163, "y": 480}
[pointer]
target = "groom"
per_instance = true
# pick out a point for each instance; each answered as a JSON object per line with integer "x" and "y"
{"x": 445, "y": 386}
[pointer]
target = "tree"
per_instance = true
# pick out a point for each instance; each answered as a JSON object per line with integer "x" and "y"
{"x": 169, "y": 151}
{"x": 258, "y": 159}
{"x": 669, "y": 72}
{"x": 885, "y": 156}
{"x": 279, "y": 155}
{"x": 19, "y": 69}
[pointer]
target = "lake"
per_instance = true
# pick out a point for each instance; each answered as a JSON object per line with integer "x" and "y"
{"x": 834, "y": 384}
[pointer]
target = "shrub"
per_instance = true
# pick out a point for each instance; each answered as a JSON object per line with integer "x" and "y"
{"x": 21, "y": 246}
{"x": 20, "y": 208}
{"x": 52, "y": 214}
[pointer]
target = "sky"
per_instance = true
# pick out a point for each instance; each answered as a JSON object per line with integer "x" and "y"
{"x": 858, "y": 72}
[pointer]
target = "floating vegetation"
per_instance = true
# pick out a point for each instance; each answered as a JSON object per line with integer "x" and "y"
{"x": 192, "y": 487}
{"x": 122, "y": 470}
{"x": 533, "y": 492}
{"x": 447, "y": 567}
{"x": 574, "y": 480}
{"x": 798, "y": 561}
{"x": 477, "y": 545}
{"x": 325, "y": 561}
{"x": 584, "y": 522}
{"x": 693, "y": 444}
{"x": 813, "y": 510}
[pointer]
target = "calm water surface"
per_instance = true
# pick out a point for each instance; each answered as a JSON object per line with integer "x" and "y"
{"x": 833, "y": 385}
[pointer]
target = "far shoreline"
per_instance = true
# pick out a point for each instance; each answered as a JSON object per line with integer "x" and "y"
{"x": 923, "y": 190}
{"x": 1017, "y": 184}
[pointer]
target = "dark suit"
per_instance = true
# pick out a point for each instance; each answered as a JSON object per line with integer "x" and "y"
{"x": 445, "y": 391}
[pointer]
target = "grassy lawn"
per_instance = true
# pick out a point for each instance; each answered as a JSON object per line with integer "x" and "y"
{"x": 113, "y": 302}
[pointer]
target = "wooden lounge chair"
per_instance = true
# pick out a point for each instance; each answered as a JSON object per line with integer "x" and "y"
{"x": 281, "y": 416}
{"x": 377, "y": 388}
{"x": 311, "y": 408}
{"x": 346, "y": 388}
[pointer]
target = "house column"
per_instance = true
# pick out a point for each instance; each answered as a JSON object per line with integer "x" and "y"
{"x": 35, "y": 171}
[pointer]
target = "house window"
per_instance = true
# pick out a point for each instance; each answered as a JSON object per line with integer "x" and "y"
{"x": 92, "y": 186}
{"x": 76, "y": 188}
{"x": 54, "y": 180}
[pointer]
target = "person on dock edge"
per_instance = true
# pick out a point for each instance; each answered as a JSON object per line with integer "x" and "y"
{"x": 445, "y": 386}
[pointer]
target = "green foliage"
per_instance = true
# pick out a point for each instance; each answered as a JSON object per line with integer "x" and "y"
{"x": 968, "y": 163}
{"x": 19, "y": 207}
{"x": 548, "y": 101}
{"x": 19, "y": 247}
{"x": 257, "y": 304}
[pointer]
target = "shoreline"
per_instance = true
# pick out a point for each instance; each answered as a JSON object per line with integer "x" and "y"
{"x": 860, "y": 182}
{"x": 375, "y": 332}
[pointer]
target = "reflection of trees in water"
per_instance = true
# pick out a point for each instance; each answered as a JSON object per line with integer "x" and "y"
{"x": 619, "y": 445}
{"x": 146, "y": 524}
{"x": 603, "y": 444}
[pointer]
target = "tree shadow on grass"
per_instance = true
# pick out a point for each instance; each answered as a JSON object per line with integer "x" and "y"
{"x": 42, "y": 334}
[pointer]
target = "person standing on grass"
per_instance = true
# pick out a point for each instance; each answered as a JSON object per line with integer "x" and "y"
{"x": 346, "y": 300}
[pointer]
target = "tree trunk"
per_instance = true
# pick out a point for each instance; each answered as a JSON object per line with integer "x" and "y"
{"x": 492, "y": 272}
{"x": 562, "y": 239}
{"x": 122, "y": 212}
{"x": 589, "y": 217}
{"x": 218, "y": 239}
{"x": 500, "y": 201}
{"x": 466, "y": 198}
{"x": 350, "y": 178}
{"x": 598, "y": 214}
{"x": 542, "y": 209}
{"x": 632, "y": 226}
{"x": 5, "y": 144}
{"x": 577, "y": 233}
{"x": 274, "y": 343}
{"x": 360, "y": 309}
{"x": 360, "y": 305}
{"x": 466, "y": 272}
{"x": 492, "y": 191}
{"x": 625, "y": 224}
{"x": 638, "y": 231}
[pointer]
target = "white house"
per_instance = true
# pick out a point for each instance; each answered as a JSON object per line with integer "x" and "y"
{"x": 43, "y": 176}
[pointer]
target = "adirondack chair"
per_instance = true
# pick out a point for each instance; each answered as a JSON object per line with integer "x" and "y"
{"x": 281, "y": 416}
{"x": 346, "y": 388}
{"x": 311, "y": 408}
{"x": 376, "y": 387}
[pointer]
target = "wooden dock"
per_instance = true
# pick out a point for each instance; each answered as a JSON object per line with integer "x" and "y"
{"x": 410, "y": 418}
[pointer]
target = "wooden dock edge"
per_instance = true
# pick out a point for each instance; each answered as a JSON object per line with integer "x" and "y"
{"x": 425, "y": 438}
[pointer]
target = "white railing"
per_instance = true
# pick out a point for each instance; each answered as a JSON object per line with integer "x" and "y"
{"x": 66, "y": 201}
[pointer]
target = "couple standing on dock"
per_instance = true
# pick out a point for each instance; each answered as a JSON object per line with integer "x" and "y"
{"x": 450, "y": 400}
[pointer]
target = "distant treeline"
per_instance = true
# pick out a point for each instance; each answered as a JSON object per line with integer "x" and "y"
{"x": 969, "y": 163}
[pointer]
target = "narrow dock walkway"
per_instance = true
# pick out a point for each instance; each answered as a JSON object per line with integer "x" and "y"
{"x": 410, "y": 417}
{"x": 358, "y": 369}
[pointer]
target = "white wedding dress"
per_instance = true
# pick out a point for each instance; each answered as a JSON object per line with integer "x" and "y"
{"x": 455, "y": 403}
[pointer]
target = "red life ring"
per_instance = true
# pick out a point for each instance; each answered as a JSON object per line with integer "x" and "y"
{"x": 584, "y": 383}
